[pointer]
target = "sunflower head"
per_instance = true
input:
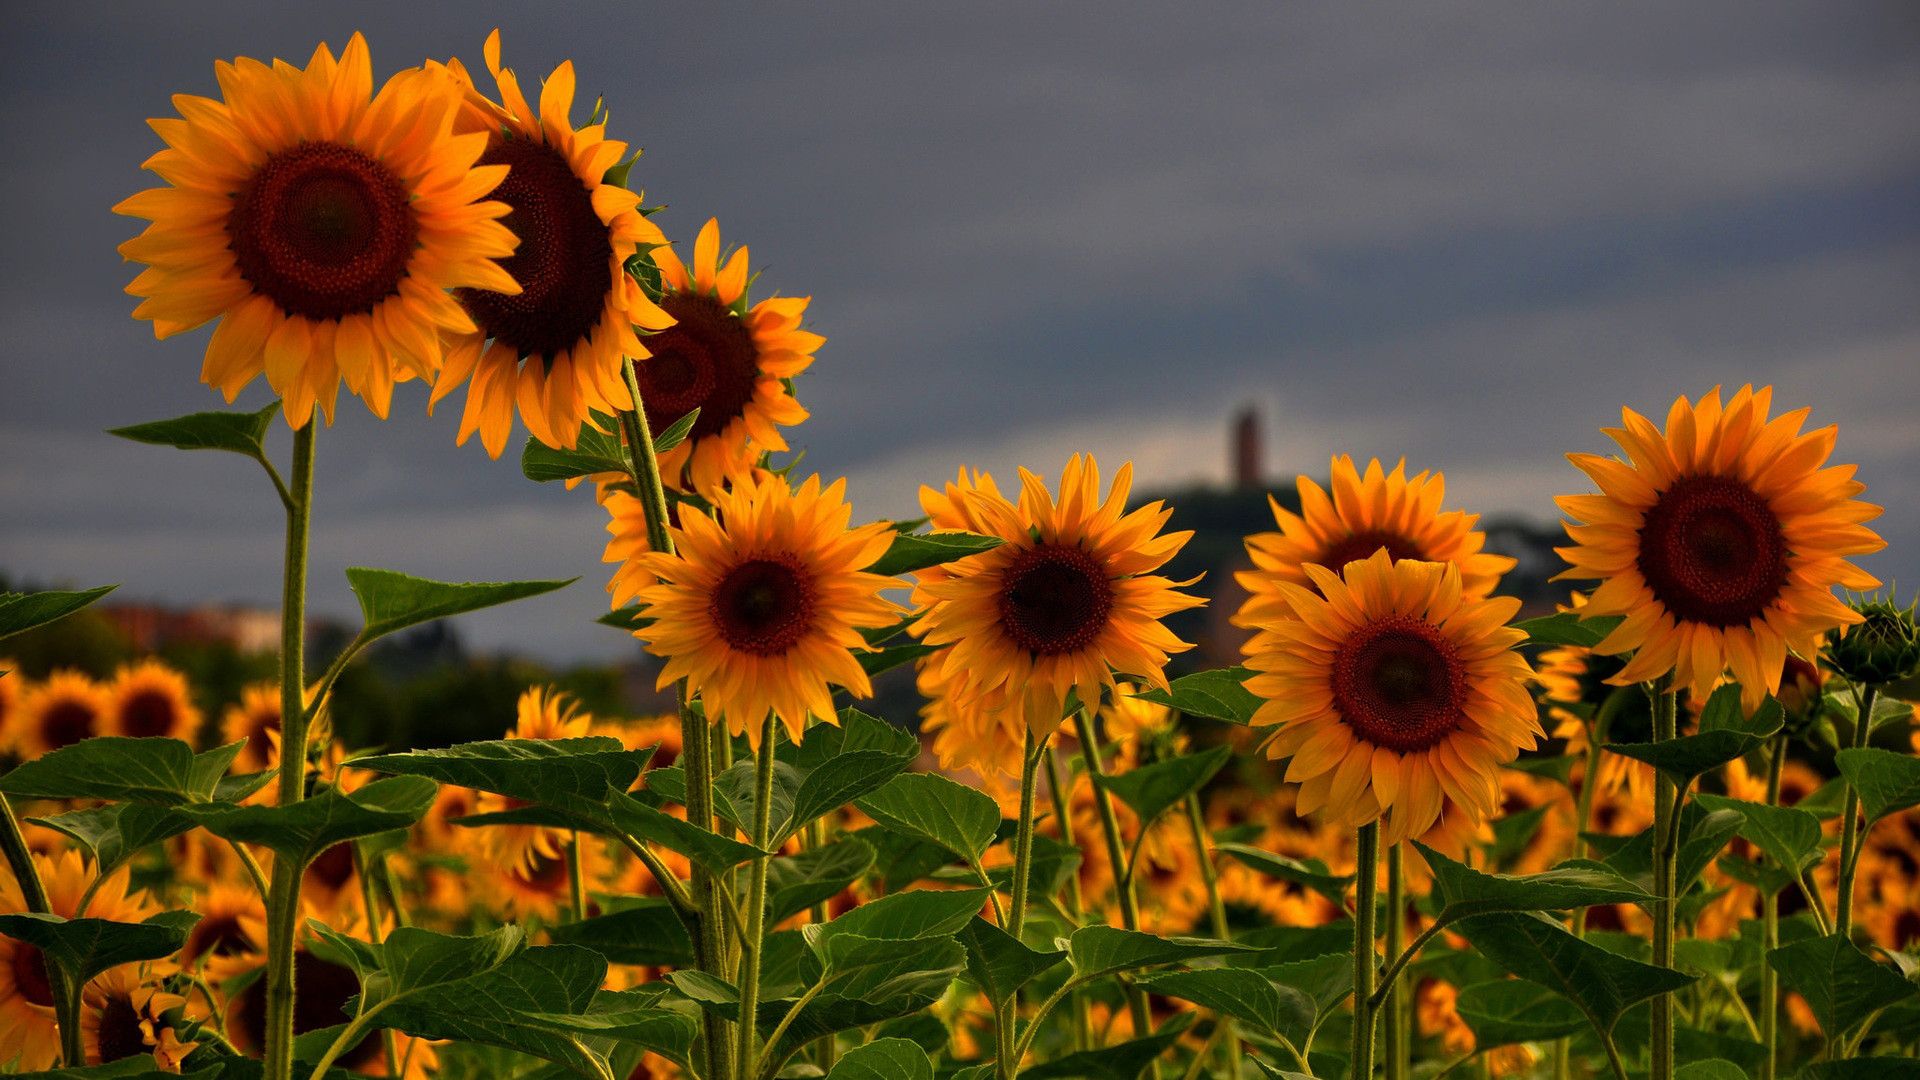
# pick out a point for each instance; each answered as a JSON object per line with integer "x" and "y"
{"x": 541, "y": 713}
{"x": 1882, "y": 648}
{"x": 760, "y": 608}
{"x": 1067, "y": 603}
{"x": 322, "y": 223}
{"x": 733, "y": 362}
{"x": 66, "y": 708}
{"x": 1395, "y": 693}
{"x": 1720, "y": 540}
{"x": 552, "y": 344}
{"x": 151, "y": 699}
{"x": 255, "y": 718}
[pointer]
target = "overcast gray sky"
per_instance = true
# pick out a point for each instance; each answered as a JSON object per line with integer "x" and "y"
{"x": 1463, "y": 233}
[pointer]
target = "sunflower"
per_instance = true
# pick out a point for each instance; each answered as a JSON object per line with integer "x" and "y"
{"x": 29, "y": 1038}
{"x": 322, "y": 223}
{"x": 541, "y": 713}
{"x": 325, "y": 990}
{"x": 732, "y": 362}
{"x": 151, "y": 699}
{"x": 61, "y": 711}
{"x": 1720, "y": 540}
{"x": 762, "y": 609}
{"x": 968, "y": 739}
{"x": 1395, "y": 693}
{"x": 662, "y": 733}
{"x": 231, "y": 936}
{"x": 1134, "y": 719}
{"x": 554, "y": 344}
{"x": 9, "y": 703}
{"x": 1066, "y": 601}
{"x": 255, "y": 718}
{"x": 1366, "y": 512}
{"x": 122, "y": 1015}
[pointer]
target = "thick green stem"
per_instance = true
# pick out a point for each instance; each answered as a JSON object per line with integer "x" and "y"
{"x": 1058, "y": 790}
{"x": 1229, "y": 1043}
{"x": 34, "y": 892}
{"x": 1395, "y": 1049}
{"x": 748, "y": 1052}
{"x": 1770, "y": 936}
{"x": 283, "y": 893}
{"x": 710, "y": 940}
{"x": 1116, "y": 856}
{"x": 576, "y": 878}
{"x": 1666, "y": 825}
{"x": 1365, "y": 961}
{"x": 1850, "y": 821}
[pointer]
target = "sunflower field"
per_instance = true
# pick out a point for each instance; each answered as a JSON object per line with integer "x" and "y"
{"x": 1669, "y": 831}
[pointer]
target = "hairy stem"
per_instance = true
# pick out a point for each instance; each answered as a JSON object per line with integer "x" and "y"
{"x": 1365, "y": 961}
{"x": 748, "y": 1051}
{"x": 1666, "y": 811}
{"x": 1850, "y": 837}
{"x": 34, "y": 892}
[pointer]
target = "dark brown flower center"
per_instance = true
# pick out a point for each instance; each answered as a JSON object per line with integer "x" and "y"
{"x": 333, "y": 869}
{"x": 323, "y": 989}
{"x": 561, "y": 263}
{"x": 68, "y": 722}
{"x": 1712, "y": 551}
{"x": 1362, "y": 545}
{"x": 763, "y": 606}
{"x": 323, "y": 230}
{"x": 120, "y": 1034}
{"x": 149, "y": 713}
{"x": 1399, "y": 684}
{"x": 705, "y": 361}
{"x": 1054, "y": 599}
{"x": 30, "y": 975}
{"x": 217, "y": 935}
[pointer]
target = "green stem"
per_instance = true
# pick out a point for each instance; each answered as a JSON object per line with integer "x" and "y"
{"x": 710, "y": 943}
{"x": 769, "y": 1060}
{"x": 1770, "y": 936}
{"x": 1365, "y": 961}
{"x": 283, "y": 894}
{"x": 748, "y": 1051}
{"x": 1116, "y": 857}
{"x": 1582, "y": 824}
{"x": 389, "y": 1041}
{"x": 1850, "y": 837}
{"x": 576, "y": 878}
{"x": 1395, "y": 1050}
{"x": 20, "y": 860}
{"x": 1666, "y": 807}
{"x": 1057, "y": 790}
{"x": 1217, "y": 917}
{"x": 1009, "y": 1009}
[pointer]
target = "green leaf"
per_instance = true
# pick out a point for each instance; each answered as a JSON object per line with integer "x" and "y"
{"x": 1711, "y": 1069}
{"x": 598, "y": 450}
{"x": 1150, "y": 789}
{"x": 917, "y": 551}
{"x": 1878, "y": 1068}
{"x": 1703, "y": 833}
{"x": 574, "y": 776}
{"x": 814, "y": 876}
{"x": 1887, "y": 782}
{"x": 878, "y": 969}
{"x": 837, "y": 782}
{"x": 628, "y": 618}
{"x": 1000, "y": 963}
{"x": 1124, "y": 1061}
{"x": 20, "y": 612}
{"x": 1842, "y": 985}
{"x": 718, "y": 854}
{"x": 855, "y": 732}
{"x": 113, "y": 834}
{"x": 884, "y": 1059}
{"x": 524, "y": 1005}
{"x": 1602, "y": 984}
{"x": 676, "y": 432}
{"x": 302, "y": 831}
{"x": 644, "y": 933}
{"x": 1506, "y": 1011}
{"x": 391, "y": 601}
{"x": 634, "y": 1017}
{"x": 1216, "y": 695}
{"x": 242, "y": 433}
{"x": 1726, "y": 733}
{"x": 417, "y": 959}
{"x": 162, "y": 771}
{"x": 1790, "y": 837}
{"x": 1464, "y": 892}
{"x": 1308, "y": 873}
{"x": 933, "y": 808}
{"x": 922, "y": 913}
{"x": 1568, "y": 628}
{"x": 83, "y": 948}
{"x": 884, "y": 660}
{"x": 1244, "y": 994}
{"x": 1105, "y": 950}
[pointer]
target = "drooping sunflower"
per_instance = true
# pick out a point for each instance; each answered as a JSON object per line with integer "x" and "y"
{"x": 1720, "y": 540}
{"x": 1067, "y": 604}
{"x": 761, "y": 610}
{"x": 151, "y": 699}
{"x": 553, "y": 346}
{"x": 231, "y": 936}
{"x": 255, "y": 718}
{"x": 729, "y": 361}
{"x": 541, "y": 713}
{"x": 68, "y": 707}
{"x": 1365, "y": 512}
{"x": 123, "y": 1015}
{"x": 1395, "y": 693}
{"x": 322, "y": 223}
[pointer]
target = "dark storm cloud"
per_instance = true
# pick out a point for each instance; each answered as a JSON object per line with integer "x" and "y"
{"x": 1462, "y": 233}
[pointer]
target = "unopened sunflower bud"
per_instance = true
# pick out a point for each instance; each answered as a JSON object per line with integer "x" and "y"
{"x": 1884, "y": 647}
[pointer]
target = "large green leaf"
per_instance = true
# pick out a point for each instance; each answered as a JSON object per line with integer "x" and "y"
{"x": 114, "y": 833}
{"x": 557, "y": 771}
{"x": 1220, "y": 694}
{"x": 644, "y": 932}
{"x": 797, "y": 882}
{"x": 921, "y": 913}
{"x": 1790, "y": 837}
{"x": 884, "y": 1059}
{"x": 302, "y": 831}
{"x": 1244, "y": 994}
{"x": 83, "y": 948}
{"x": 1887, "y": 782}
{"x": 1150, "y": 789}
{"x": 1106, "y": 950}
{"x": 715, "y": 852}
{"x": 917, "y": 551}
{"x": 1843, "y": 986}
{"x": 1604, "y": 985}
{"x": 391, "y": 601}
{"x": 1505, "y": 1011}
{"x": 1464, "y": 891}
{"x": 1000, "y": 963}
{"x": 933, "y": 808}
{"x": 877, "y": 969}
{"x": 1308, "y": 874}
{"x": 417, "y": 959}
{"x": 162, "y": 771}
{"x": 884, "y": 660}
{"x": 243, "y": 433}
{"x": 1726, "y": 732}
{"x": 20, "y": 612}
{"x": 837, "y": 782}
{"x": 1123, "y": 1061}
{"x": 1711, "y": 1069}
{"x": 1703, "y": 833}
{"x": 528, "y": 1004}
{"x": 598, "y": 450}
{"x": 1568, "y": 628}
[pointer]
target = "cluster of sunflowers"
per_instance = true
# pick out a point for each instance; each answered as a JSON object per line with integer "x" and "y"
{"x": 1360, "y": 853}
